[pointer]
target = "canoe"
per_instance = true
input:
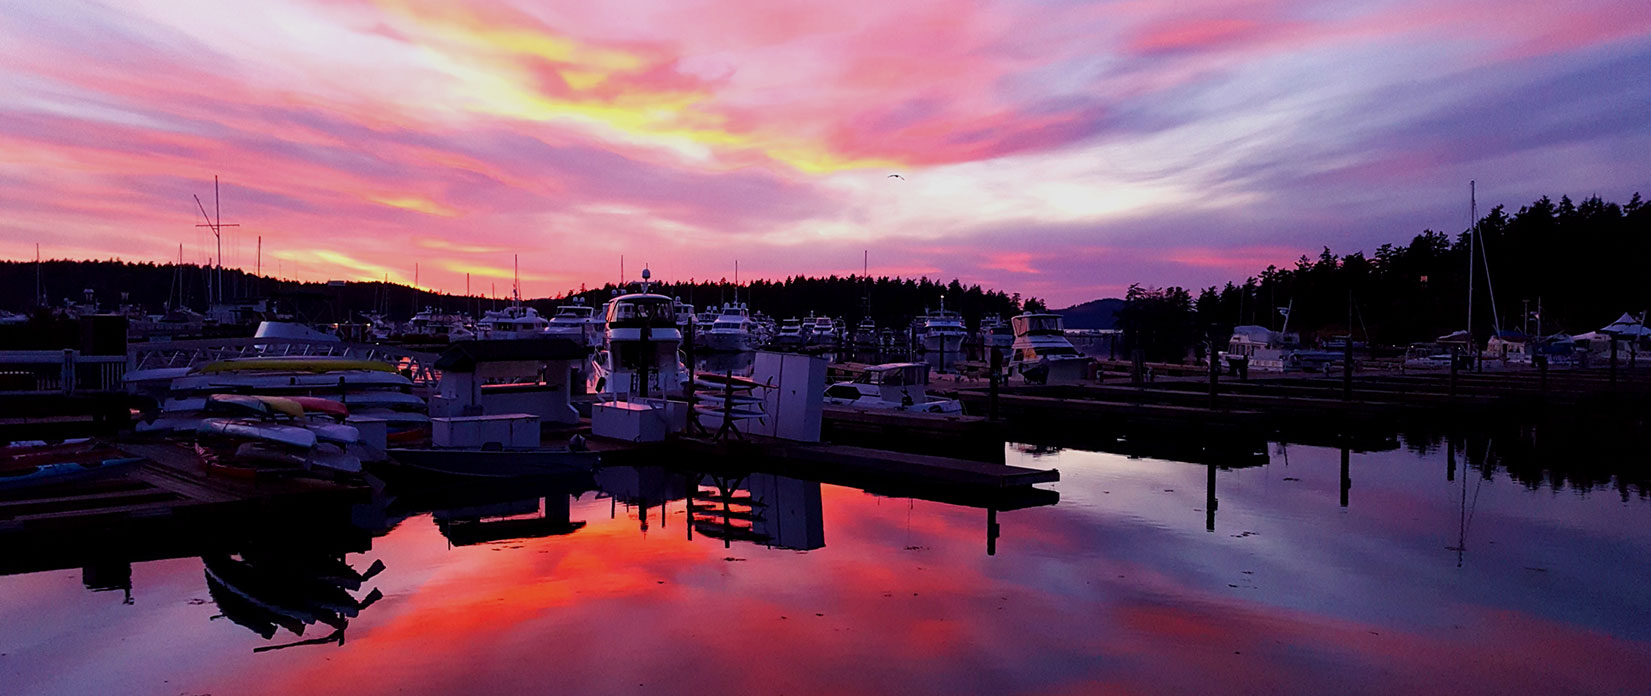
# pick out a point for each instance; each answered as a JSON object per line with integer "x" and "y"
{"x": 294, "y": 364}
{"x": 289, "y": 435}
{"x": 57, "y": 472}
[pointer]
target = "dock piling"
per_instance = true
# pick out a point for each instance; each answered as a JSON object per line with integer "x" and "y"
{"x": 1215, "y": 374}
{"x": 1347, "y": 369}
{"x": 997, "y": 371}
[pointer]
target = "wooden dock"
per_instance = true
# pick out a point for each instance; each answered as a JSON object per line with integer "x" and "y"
{"x": 969, "y": 437}
{"x": 169, "y": 492}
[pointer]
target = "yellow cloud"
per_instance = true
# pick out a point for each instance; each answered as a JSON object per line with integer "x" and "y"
{"x": 422, "y": 205}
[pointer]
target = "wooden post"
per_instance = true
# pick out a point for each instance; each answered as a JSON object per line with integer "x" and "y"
{"x": 1542, "y": 376}
{"x": 1215, "y": 374}
{"x": 996, "y": 369}
{"x": 67, "y": 378}
{"x": 1347, "y": 369}
{"x": 1137, "y": 371}
{"x": 1210, "y": 502}
{"x": 1454, "y": 361}
{"x": 1613, "y": 361}
{"x": 992, "y": 531}
{"x": 1346, "y": 479}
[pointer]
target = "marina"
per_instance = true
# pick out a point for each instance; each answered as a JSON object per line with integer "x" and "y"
{"x": 498, "y": 347}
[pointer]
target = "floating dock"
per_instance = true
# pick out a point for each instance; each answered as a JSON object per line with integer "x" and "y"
{"x": 170, "y": 490}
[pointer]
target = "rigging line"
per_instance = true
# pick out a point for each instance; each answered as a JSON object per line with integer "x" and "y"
{"x": 1489, "y": 444}
{"x": 1484, "y": 257}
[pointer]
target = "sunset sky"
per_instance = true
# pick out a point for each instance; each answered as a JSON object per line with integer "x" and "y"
{"x": 1058, "y": 149}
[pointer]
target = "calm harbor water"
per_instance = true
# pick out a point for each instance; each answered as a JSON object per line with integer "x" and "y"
{"x": 1434, "y": 577}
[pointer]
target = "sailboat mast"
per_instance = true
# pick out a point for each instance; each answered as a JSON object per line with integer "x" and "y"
{"x": 1473, "y": 227}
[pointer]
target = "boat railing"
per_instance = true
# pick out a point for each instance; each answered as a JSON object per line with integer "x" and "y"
{"x": 419, "y": 366}
{"x": 60, "y": 372}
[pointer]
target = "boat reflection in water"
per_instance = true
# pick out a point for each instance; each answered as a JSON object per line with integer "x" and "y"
{"x": 1425, "y": 563}
{"x": 268, "y": 589}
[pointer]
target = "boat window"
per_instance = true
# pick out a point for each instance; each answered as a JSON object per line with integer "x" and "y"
{"x": 842, "y": 391}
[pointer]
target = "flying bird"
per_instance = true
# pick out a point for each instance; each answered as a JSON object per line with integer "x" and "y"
{"x": 897, "y": 176}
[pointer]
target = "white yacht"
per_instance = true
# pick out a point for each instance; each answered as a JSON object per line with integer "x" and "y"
{"x": 643, "y": 342}
{"x": 732, "y": 330}
{"x": 577, "y": 322}
{"x": 825, "y": 332}
{"x": 1041, "y": 353}
{"x": 865, "y": 333}
{"x": 514, "y": 321}
{"x": 793, "y": 333}
{"x": 891, "y": 387}
{"x": 1265, "y": 349}
{"x": 943, "y": 331}
{"x": 684, "y": 314}
{"x": 702, "y": 326}
{"x": 996, "y": 333}
{"x": 431, "y": 324}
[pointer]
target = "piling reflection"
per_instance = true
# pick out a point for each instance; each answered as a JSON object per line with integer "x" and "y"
{"x": 1410, "y": 582}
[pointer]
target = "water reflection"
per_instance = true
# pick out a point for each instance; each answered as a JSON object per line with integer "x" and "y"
{"x": 1246, "y": 566}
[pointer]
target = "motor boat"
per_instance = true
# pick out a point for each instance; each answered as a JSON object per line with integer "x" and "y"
{"x": 943, "y": 331}
{"x": 793, "y": 333}
{"x": 865, "y": 333}
{"x": 1041, "y": 354}
{"x": 577, "y": 322}
{"x": 1265, "y": 350}
{"x": 731, "y": 331}
{"x": 891, "y": 387}
{"x": 514, "y": 321}
{"x": 642, "y": 355}
{"x": 996, "y": 333}
{"x": 434, "y": 325}
{"x": 684, "y": 314}
{"x": 826, "y": 332}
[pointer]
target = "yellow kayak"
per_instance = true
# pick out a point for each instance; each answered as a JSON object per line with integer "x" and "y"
{"x": 294, "y": 364}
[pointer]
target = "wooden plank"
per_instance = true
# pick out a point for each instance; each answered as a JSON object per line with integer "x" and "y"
{"x": 36, "y": 506}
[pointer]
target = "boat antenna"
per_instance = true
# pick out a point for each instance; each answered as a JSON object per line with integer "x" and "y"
{"x": 516, "y": 278}
{"x": 39, "y": 287}
{"x": 217, "y": 224}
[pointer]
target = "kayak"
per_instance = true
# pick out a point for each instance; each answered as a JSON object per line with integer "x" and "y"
{"x": 319, "y": 406}
{"x": 56, "y": 472}
{"x": 294, "y": 381}
{"x": 294, "y": 364}
{"x": 290, "y": 435}
{"x": 254, "y": 405}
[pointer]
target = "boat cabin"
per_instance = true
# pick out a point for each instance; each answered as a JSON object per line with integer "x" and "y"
{"x": 532, "y": 375}
{"x": 889, "y": 382}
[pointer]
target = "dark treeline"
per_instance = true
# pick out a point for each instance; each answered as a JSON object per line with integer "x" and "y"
{"x": 893, "y": 301}
{"x": 1584, "y": 262}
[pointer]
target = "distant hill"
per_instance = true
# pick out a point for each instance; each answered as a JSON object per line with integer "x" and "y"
{"x": 1094, "y": 314}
